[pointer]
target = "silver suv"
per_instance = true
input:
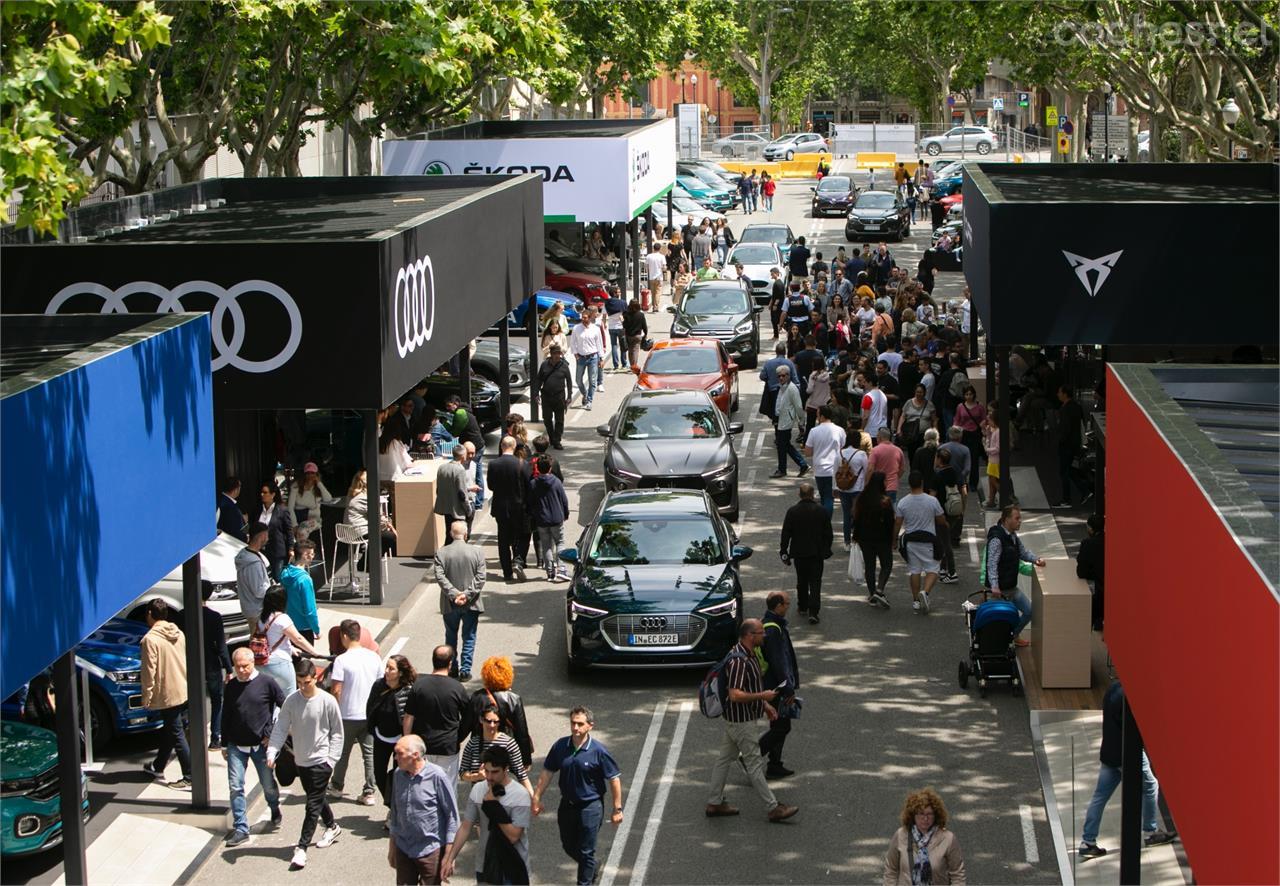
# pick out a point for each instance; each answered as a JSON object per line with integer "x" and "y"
{"x": 797, "y": 143}
{"x": 961, "y": 138}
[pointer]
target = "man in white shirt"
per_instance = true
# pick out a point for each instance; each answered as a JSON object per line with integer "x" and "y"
{"x": 875, "y": 405}
{"x": 823, "y": 445}
{"x": 587, "y": 344}
{"x": 655, "y": 264}
{"x": 354, "y": 673}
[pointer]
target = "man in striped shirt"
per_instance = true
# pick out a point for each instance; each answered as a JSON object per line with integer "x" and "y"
{"x": 748, "y": 703}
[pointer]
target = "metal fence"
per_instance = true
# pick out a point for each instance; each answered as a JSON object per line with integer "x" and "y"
{"x": 735, "y": 144}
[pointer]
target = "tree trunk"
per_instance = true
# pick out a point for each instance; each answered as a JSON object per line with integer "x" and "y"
{"x": 362, "y": 149}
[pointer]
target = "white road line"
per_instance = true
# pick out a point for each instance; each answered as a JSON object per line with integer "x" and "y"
{"x": 395, "y": 648}
{"x": 633, "y": 794}
{"x": 974, "y": 549}
{"x": 1029, "y": 835}
{"x": 660, "y": 799}
{"x": 751, "y": 477}
{"x": 743, "y": 442}
{"x": 760, "y": 444}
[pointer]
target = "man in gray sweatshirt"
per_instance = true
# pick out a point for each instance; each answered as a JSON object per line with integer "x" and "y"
{"x": 312, "y": 717}
{"x": 251, "y": 574}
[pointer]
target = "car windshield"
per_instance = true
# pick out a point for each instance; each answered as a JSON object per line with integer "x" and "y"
{"x": 755, "y": 254}
{"x": 714, "y": 300}
{"x": 708, "y": 176}
{"x": 685, "y": 204}
{"x": 688, "y": 181}
{"x": 785, "y": 140}
{"x": 682, "y": 361}
{"x": 667, "y": 541}
{"x": 668, "y": 422}
{"x": 875, "y": 200}
{"x": 763, "y": 235}
{"x": 834, "y": 183}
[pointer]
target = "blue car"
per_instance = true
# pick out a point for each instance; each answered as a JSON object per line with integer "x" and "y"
{"x": 945, "y": 187}
{"x": 719, "y": 199}
{"x": 112, "y": 659}
{"x": 546, "y": 298}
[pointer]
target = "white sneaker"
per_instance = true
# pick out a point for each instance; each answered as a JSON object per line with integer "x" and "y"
{"x": 915, "y": 605}
{"x": 329, "y": 835}
{"x": 924, "y": 603}
{"x": 299, "y": 857}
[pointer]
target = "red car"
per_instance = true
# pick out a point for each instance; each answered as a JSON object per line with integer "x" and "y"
{"x": 588, "y": 287}
{"x": 692, "y": 364}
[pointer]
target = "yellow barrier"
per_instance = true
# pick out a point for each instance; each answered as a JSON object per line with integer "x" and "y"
{"x": 876, "y": 159}
{"x": 746, "y": 167}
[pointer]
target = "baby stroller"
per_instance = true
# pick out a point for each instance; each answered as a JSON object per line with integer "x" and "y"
{"x": 991, "y": 652}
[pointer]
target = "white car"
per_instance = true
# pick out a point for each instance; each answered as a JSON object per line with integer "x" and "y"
{"x": 758, "y": 260}
{"x": 788, "y": 146}
{"x": 689, "y": 210}
{"x": 217, "y": 568}
{"x": 979, "y": 139}
{"x": 1144, "y": 146}
{"x": 740, "y": 144}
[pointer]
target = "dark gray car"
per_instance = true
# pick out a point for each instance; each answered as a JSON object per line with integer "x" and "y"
{"x": 673, "y": 440}
{"x": 723, "y": 310}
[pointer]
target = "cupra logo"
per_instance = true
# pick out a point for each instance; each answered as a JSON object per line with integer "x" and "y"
{"x": 1100, "y": 266}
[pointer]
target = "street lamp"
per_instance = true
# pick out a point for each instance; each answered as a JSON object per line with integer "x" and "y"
{"x": 693, "y": 81}
{"x": 1230, "y": 114}
{"x": 682, "y": 89}
{"x": 719, "y": 121}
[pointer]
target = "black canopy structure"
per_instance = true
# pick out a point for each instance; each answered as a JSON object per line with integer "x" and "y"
{"x": 1135, "y": 254}
{"x": 324, "y": 293}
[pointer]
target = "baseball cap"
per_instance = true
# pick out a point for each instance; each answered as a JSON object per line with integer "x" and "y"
{"x": 310, "y": 468}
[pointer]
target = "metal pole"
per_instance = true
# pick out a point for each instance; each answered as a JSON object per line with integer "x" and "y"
{"x": 973, "y": 334}
{"x": 635, "y": 254}
{"x": 373, "y": 553}
{"x": 535, "y": 353}
{"x": 464, "y": 375}
{"x": 197, "y": 719}
{"x": 346, "y": 168}
{"x": 622, "y": 263}
{"x": 1130, "y": 800}
{"x": 670, "y": 214}
{"x": 504, "y": 369}
{"x": 70, "y": 799}
{"x": 1006, "y": 478}
{"x": 86, "y": 720}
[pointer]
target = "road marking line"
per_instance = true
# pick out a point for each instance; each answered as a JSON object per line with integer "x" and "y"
{"x": 633, "y": 794}
{"x": 1029, "y": 835}
{"x": 760, "y": 444}
{"x": 660, "y": 799}
{"x": 974, "y": 550}
{"x": 743, "y": 442}
{"x": 396, "y": 647}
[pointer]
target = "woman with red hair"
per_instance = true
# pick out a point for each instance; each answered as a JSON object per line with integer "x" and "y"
{"x": 498, "y": 675}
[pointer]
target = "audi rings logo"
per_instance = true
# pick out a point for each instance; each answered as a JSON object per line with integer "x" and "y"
{"x": 653, "y": 622}
{"x": 228, "y": 303}
{"x": 413, "y": 305}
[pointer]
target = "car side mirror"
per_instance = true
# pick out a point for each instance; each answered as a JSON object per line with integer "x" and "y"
{"x": 603, "y": 431}
{"x": 758, "y": 309}
{"x": 736, "y": 427}
{"x": 635, "y": 368}
{"x": 732, "y": 367}
{"x": 815, "y": 190}
{"x": 739, "y": 553}
{"x": 569, "y": 555}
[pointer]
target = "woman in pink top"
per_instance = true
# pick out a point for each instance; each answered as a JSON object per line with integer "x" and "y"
{"x": 991, "y": 443}
{"x": 970, "y": 415}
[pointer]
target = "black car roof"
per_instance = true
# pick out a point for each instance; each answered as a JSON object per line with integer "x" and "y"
{"x": 650, "y": 502}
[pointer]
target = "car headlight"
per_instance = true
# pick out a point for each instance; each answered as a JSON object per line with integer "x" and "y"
{"x": 719, "y": 473}
{"x": 581, "y": 609}
{"x": 621, "y": 473}
{"x": 17, "y": 786}
{"x": 678, "y": 328}
{"x": 728, "y": 607}
{"x": 125, "y": 676}
{"x": 744, "y": 327}
{"x": 716, "y": 390}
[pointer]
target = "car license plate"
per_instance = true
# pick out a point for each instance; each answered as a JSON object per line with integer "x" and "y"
{"x": 655, "y": 639}
{"x": 872, "y": 227}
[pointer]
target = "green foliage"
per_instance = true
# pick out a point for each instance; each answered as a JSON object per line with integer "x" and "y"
{"x": 65, "y": 63}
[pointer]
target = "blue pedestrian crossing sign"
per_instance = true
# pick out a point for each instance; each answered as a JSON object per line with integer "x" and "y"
{"x": 997, "y": 104}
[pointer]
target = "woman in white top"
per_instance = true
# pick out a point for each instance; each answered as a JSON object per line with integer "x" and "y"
{"x": 856, "y": 455}
{"x": 393, "y": 454}
{"x": 305, "y": 498}
{"x": 282, "y": 637}
{"x": 554, "y": 335}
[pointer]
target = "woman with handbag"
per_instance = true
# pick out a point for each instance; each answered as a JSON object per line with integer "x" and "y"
{"x": 970, "y": 417}
{"x": 636, "y": 328}
{"x": 922, "y": 849}
{"x": 384, "y": 713}
{"x": 274, "y": 638}
{"x": 916, "y": 416}
{"x": 498, "y": 676}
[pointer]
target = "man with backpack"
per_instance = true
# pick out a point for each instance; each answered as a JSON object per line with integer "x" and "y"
{"x": 777, "y": 660}
{"x": 744, "y": 702}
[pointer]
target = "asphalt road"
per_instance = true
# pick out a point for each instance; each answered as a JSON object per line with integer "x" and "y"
{"x": 883, "y": 713}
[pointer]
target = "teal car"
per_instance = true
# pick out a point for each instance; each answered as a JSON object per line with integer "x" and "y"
{"x": 719, "y": 199}
{"x": 29, "y": 813}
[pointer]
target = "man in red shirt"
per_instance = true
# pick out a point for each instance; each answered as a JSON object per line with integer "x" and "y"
{"x": 887, "y": 458}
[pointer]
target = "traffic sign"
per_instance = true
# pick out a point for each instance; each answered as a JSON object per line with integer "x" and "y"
{"x": 1024, "y": 100}
{"x": 997, "y": 104}
{"x": 951, "y": 101}
{"x": 1051, "y": 115}
{"x": 1064, "y": 143}
{"x": 1065, "y": 124}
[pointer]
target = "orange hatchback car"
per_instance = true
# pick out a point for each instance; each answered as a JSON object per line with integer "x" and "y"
{"x": 692, "y": 364}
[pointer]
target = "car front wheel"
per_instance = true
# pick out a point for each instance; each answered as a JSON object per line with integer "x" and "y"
{"x": 791, "y": 155}
{"x": 984, "y": 147}
{"x": 934, "y": 149}
{"x": 727, "y": 152}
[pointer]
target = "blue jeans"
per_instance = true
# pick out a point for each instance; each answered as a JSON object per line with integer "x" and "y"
{"x": 1023, "y": 602}
{"x": 847, "y": 501}
{"x": 237, "y": 761}
{"x": 825, "y": 493}
{"x": 1108, "y": 781}
{"x": 618, "y": 344}
{"x": 586, "y": 366}
{"x": 284, "y": 675}
{"x": 469, "y": 620}
{"x": 579, "y": 826}
{"x": 480, "y": 476}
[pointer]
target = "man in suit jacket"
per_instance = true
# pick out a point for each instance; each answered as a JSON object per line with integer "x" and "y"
{"x": 508, "y": 481}
{"x": 453, "y": 496}
{"x": 460, "y": 572}
{"x": 806, "y": 543}
{"x": 230, "y": 517}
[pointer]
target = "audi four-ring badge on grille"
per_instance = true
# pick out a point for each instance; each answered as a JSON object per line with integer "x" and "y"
{"x": 413, "y": 318}
{"x": 228, "y": 302}
{"x": 653, "y": 622}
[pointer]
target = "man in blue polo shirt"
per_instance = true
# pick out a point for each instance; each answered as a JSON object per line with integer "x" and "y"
{"x": 585, "y": 765}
